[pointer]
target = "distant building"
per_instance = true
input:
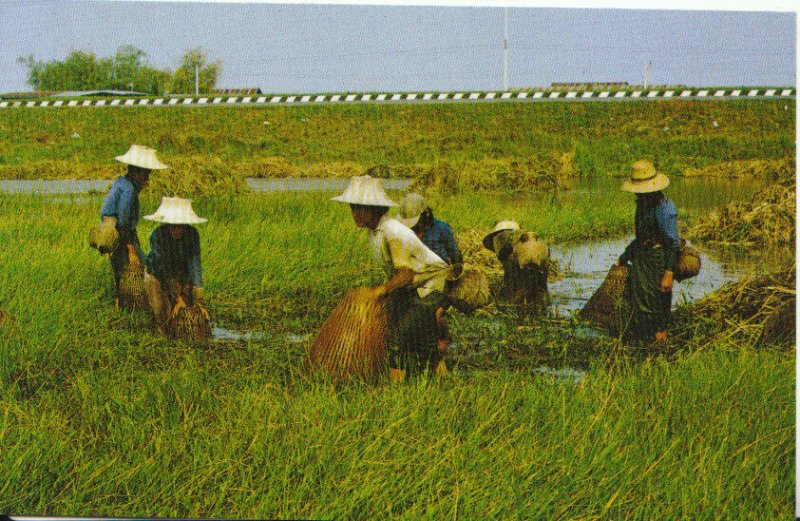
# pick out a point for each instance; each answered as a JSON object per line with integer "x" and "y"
{"x": 255, "y": 91}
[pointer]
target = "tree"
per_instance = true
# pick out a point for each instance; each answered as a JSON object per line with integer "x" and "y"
{"x": 183, "y": 78}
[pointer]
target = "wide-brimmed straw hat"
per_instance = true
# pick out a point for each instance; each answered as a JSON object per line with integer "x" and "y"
{"x": 175, "y": 210}
{"x": 143, "y": 157}
{"x": 499, "y": 227}
{"x": 366, "y": 191}
{"x": 411, "y": 209}
{"x": 645, "y": 179}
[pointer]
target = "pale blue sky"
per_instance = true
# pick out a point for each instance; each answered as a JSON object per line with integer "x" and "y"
{"x": 323, "y": 48}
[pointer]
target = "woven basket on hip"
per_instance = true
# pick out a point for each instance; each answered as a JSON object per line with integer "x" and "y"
{"x": 470, "y": 291}
{"x": 604, "y": 308}
{"x": 190, "y": 323}
{"x": 104, "y": 237}
{"x": 688, "y": 262}
{"x": 132, "y": 292}
{"x": 352, "y": 341}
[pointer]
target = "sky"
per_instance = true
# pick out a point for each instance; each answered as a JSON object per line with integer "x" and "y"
{"x": 297, "y": 48}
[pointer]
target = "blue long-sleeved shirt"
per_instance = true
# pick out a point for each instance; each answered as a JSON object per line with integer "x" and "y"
{"x": 171, "y": 258}
{"x": 658, "y": 224}
{"x": 122, "y": 202}
{"x": 439, "y": 238}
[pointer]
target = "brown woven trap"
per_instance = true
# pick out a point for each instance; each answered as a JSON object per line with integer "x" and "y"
{"x": 190, "y": 323}
{"x": 605, "y": 307}
{"x": 470, "y": 291}
{"x": 688, "y": 262}
{"x": 132, "y": 292}
{"x": 352, "y": 342}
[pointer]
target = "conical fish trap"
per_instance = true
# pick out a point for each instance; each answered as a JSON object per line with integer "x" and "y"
{"x": 688, "y": 262}
{"x": 470, "y": 292}
{"x": 352, "y": 341}
{"x": 190, "y": 323}
{"x": 132, "y": 292}
{"x": 604, "y": 308}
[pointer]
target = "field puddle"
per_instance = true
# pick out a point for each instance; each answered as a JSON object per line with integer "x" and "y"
{"x": 221, "y": 334}
{"x": 587, "y": 265}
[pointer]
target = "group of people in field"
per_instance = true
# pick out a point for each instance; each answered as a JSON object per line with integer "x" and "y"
{"x": 413, "y": 249}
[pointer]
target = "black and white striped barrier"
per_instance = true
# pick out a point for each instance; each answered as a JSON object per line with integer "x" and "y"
{"x": 308, "y": 99}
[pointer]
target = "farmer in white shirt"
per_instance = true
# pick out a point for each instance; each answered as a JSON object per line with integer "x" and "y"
{"x": 415, "y": 281}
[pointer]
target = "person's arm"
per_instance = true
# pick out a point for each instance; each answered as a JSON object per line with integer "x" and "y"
{"x": 401, "y": 279}
{"x": 154, "y": 258}
{"x": 195, "y": 267}
{"x": 125, "y": 208}
{"x": 667, "y": 219}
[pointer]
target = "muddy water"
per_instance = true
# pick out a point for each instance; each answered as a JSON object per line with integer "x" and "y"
{"x": 53, "y": 186}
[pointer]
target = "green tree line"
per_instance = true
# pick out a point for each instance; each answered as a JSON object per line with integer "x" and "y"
{"x": 127, "y": 70}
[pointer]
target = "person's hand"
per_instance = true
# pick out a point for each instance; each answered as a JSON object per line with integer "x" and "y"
{"x": 661, "y": 336}
{"x": 442, "y": 344}
{"x": 666, "y": 281}
{"x": 179, "y": 305}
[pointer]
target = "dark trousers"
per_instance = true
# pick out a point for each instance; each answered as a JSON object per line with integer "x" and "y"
{"x": 413, "y": 332}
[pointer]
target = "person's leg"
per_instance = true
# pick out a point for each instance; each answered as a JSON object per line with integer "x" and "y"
{"x": 119, "y": 259}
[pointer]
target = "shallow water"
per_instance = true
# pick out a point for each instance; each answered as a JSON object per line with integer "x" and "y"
{"x": 314, "y": 184}
{"x": 53, "y": 186}
{"x": 588, "y": 264}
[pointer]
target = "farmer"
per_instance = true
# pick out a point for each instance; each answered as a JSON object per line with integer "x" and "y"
{"x": 525, "y": 260}
{"x": 653, "y": 255}
{"x": 435, "y": 234}
{"x": 122, "y": 204}
{"x": 415, "y": 281}
{"x": 416, "y": 214}
{"x": 174, "y": 273}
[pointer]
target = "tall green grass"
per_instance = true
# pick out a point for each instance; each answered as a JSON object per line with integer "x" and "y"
{"x": 101, "y": 416}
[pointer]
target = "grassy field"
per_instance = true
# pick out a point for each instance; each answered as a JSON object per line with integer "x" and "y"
{"x": 100, "y": 416}
{"x": 483, "y": 145}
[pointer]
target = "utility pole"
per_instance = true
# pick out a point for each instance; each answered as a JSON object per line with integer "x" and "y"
{"x": 647, "y": 74}
{"x": 505, "y": 52}
{"x": 196, "y": 78}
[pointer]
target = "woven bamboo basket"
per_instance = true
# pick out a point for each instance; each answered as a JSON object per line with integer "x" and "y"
{"x": 470, "y": 291}
{"x": 605, "y": 307}
{"x": 104, "y": 236}
{"x": 132, "y": 292}
{"x": 190, "y": 323}
{"x": 352, "y": 341}
{"x": 688, "y": 262}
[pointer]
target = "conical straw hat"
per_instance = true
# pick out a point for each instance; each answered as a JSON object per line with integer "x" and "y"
{"x": 411, "y": 209}
{"x": 143, "y": 157}
{"x": 174, "y": 210}
{"x": 645, "y": 179}
{"x": 365, "y": 190}
{"x": 499, "y": 227}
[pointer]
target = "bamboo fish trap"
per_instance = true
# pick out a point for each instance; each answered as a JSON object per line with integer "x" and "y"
{"x": 190, "y": 323}
{"x": 132, "y": 292}
{"x": 352, "y": 341}
{"x": 605, "y": 308}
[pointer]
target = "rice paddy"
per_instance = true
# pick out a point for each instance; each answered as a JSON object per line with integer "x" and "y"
{"x": 104, "y": 416}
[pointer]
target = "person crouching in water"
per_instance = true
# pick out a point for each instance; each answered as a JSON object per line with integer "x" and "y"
{"x": 174, "y": 272}
{"x": 415, "y": 280}
{"x": 122, "y": 205}
{"x": 525, "y": 260}
{"x": 416, "y": 214}
{"x": 653, "y": 255}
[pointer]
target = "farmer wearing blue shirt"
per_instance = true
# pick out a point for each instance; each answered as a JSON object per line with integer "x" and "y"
{"x": 653, "y": 255}
{"x": 416, "y": 214}
{"x": 174, "y": 272}
{"x": 122, "y": 204}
